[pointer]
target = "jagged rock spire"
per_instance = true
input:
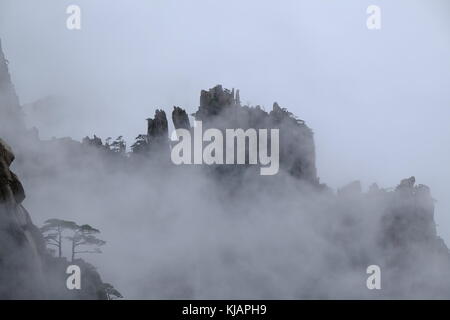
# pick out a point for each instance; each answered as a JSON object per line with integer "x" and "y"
{"x": 158, "y": 127}
{"x": 180, "y": 118}
{"x": 8, "y": 94}
{"x": 213, "y": 102}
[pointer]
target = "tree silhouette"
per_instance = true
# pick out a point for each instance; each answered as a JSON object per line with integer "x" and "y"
{"x": 84, "y": 235}
{"x": 111, "y": 292}
{"x": 53, "y": 230}
{"x": 118, "y": 146}
{"x": 141, "y": 144}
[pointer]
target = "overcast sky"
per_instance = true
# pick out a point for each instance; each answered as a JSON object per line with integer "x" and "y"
{"x": 378, "y": 101}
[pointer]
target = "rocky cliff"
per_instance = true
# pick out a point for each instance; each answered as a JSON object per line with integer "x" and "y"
{"x": 23, "y": 248}
{"x": 393, "y": 229}
{"x": 27, "y": 270}
{"x": 12, "y": 118}
{"x": 221, "y": 109}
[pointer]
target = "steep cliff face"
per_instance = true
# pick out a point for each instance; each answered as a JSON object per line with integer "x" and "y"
{"x": 393, "y": 229}
{"x": 11, "y": 119}
{"x": 221, "y": 108}
{"x": 180, "y": 119}
{"x": 27, "y": 270}
{"x": 22, "y": 249}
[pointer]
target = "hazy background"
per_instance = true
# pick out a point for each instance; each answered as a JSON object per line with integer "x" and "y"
{"x": 378, "y": 101}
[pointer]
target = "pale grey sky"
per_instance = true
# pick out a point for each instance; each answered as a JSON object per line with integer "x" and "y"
{"x": 378, "y": 101}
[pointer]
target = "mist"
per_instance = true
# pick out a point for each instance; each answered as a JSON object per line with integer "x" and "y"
{"x": 376, "y": 101}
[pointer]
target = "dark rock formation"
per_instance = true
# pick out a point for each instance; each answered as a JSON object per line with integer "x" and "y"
{"x": 27, "y": 270}
{"x": 214, "y": 102}
{"x": 158, "y": 127}
{"x": 413, "y": 252}
{"x": 221, "y": 109}
{"x": 22, "y": 246}
{"x": 394, "y": 229}
{"x": 180, "y": 119}
{"x": 94, "y": 142}
{"x": 410, "y": 217}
